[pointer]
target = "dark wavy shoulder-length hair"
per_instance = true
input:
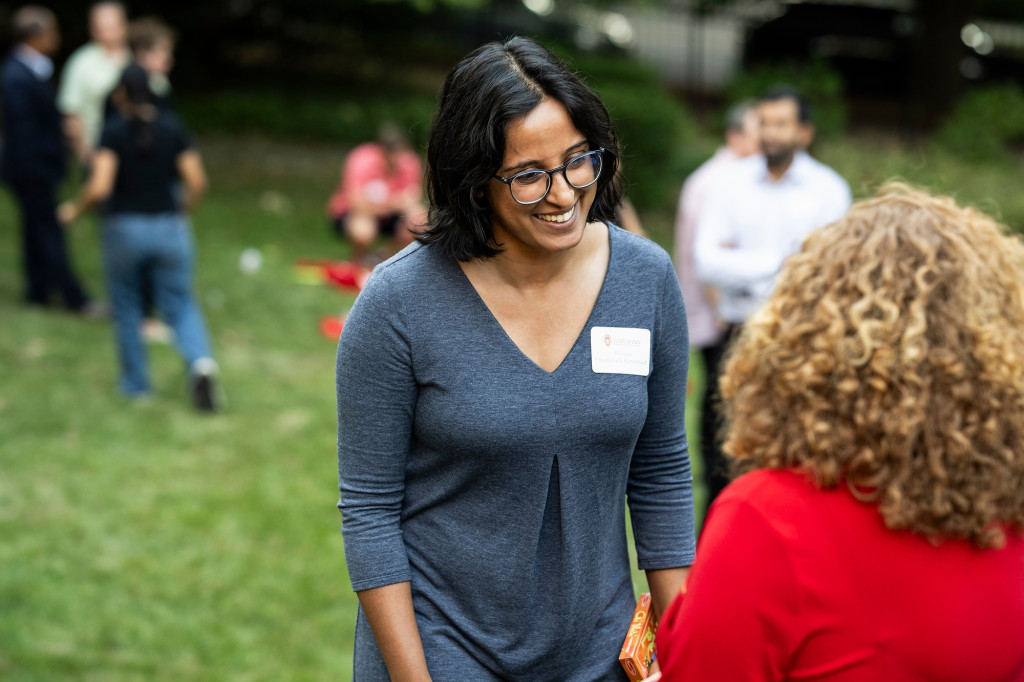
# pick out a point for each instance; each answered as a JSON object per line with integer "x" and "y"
{"x": 489, "y": 89}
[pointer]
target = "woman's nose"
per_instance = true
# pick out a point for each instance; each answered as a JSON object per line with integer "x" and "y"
{"x": 562, "y": 194}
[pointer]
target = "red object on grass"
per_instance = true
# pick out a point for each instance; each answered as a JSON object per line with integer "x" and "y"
{"x": 347, "y": 274}
{"x": 331, "y": 326}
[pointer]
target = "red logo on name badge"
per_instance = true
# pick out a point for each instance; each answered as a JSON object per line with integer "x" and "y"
{"x": 608, "y": 339}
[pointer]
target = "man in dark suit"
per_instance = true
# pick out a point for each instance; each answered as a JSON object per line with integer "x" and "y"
{"x": 32, "y": 161}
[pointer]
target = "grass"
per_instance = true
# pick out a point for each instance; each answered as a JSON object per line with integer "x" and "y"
{"x": 147, "y": 542}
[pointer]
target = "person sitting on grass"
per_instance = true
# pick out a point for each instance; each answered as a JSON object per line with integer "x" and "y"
{"x": 138, "y": 164}
{"x": 875, "y": 404}
{"x": 380, "y": 194}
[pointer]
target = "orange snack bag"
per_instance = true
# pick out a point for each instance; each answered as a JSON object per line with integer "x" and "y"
{"x": 637, "y": 653}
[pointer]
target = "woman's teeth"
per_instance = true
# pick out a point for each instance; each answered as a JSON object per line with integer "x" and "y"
{"x": 559, "y": 218}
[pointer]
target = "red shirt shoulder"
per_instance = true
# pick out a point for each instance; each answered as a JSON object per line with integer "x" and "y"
{"x": 792, "y": 582}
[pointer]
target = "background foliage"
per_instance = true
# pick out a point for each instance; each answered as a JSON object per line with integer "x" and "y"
{"x": 816, "y": 80}
{"x": 986, "y": 125}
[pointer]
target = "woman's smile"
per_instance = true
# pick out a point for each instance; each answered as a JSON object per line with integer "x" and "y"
{"x": 559, "y": 218}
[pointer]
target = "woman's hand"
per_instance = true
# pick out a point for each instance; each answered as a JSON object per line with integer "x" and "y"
{"x": 67, "y": 213}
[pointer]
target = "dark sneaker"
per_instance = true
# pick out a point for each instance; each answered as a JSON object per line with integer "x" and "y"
{"x": 203, "y": 385}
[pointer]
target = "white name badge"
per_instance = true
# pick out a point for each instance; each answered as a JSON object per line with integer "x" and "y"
{"x": 620, "y": 350}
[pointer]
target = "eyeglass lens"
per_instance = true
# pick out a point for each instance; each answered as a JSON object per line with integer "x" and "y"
{"x": 581, "y": 172}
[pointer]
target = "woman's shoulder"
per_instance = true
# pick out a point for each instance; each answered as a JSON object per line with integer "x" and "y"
{"x": 414, "y": 260}
{"x": 773, "y": 493}
{"x": 635, "y": 249}
{"x": 761, "y": 482}
{"x": 410, "y": 285}
{"x": 412, "y": 269}
{"x": 792, "y": 499}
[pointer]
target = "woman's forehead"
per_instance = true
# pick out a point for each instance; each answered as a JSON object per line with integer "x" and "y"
{"x": 546, "y": 132}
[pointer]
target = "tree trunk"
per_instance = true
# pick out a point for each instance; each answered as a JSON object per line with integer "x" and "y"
{"x": 938, "y": 51}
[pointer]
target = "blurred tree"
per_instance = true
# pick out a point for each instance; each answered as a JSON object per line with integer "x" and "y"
{"x": 938, "y": 51}
{"x": 1001, "y": 10}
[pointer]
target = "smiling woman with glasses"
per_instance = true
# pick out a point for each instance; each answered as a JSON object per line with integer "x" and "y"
{"x": 504, "y": 386}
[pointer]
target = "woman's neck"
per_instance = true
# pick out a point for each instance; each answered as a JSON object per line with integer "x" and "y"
{"x": 526, "y": 269}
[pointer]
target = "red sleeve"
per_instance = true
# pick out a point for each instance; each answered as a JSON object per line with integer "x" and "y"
{"x": 738, "y": 617}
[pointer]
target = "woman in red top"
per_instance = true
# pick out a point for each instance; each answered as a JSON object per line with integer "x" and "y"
{"x": 876, "y": 405}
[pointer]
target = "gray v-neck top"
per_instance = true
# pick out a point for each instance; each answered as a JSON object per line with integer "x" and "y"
{"x": 498, "y": 488}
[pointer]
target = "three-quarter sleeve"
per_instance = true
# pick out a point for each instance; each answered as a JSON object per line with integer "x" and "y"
{"x": 376, "y": 394}
{"x": 660, "y": 489}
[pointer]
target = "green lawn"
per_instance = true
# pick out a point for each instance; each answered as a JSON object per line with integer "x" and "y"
{"x": 148, "y": 542}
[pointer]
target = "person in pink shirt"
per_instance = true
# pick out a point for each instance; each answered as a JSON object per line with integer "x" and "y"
{"x": 380, "y": 194}
{"x": 742, "y": 139}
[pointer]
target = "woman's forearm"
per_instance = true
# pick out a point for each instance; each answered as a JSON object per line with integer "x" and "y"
{"x": 391, "y": 616}
{"x": 665, "y": 584}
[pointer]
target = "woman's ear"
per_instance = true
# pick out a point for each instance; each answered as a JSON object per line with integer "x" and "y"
{"x": 477, "y": 198}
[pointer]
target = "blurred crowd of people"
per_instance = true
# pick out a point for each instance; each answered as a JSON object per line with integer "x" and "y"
{"x": 115, "y": 112}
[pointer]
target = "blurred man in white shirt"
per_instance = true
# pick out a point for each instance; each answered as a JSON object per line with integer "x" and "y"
{"x": 742, "y": 139}
{"x": 757, "y": 218}
{"x": 91, "y": 73}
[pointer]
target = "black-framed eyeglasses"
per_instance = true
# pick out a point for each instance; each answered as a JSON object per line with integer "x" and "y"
{"x": 531, "y": 186}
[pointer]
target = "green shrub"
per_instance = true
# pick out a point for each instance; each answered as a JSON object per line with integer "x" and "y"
{"x": 656, "y": 131}
{"x": 349, "y": 119}
{"x": 984, "y": 124}
{"x": 818, "y": 82}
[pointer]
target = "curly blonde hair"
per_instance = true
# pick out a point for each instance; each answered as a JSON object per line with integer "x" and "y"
{"x": 891, "y": 358}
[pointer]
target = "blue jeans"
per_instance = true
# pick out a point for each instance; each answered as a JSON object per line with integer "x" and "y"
{"x": 159, "y": 247}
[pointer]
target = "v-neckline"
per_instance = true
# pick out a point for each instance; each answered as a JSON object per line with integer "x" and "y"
{"x": 586, "y": 325}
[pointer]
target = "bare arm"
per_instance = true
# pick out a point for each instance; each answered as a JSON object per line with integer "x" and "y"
{"x": 630, "y": 219}
{"x": 99, "y": 186}
{"x": 74, "y": 132}
{"x": 390, "y": 613}
{"x": 665, "y": 584}
{"x": 193, "y": 174}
